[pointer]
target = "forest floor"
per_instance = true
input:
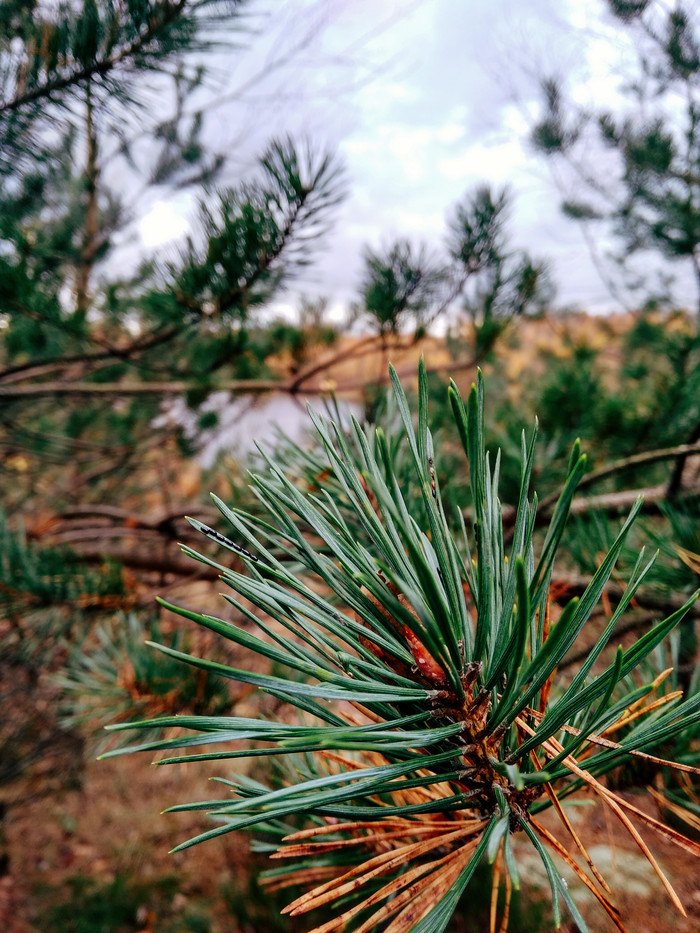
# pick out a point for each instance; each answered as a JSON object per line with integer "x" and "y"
{"x": 95, "y": 859}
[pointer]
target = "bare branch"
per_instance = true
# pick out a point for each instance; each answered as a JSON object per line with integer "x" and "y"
{"x": 628, "y": 463}
{"x": 179, "y": 387}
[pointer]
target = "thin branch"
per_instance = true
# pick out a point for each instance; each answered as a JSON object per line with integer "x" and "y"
{"x": 359, "y": 349}
{"x": 136, "y": 519}
{"x": 637, "y": 624}
{"x": 179, "y": 387}
{"x": 35, "y": 368}
{"x": 181, "y": 567}
{"x": 292, "y": 386}
{"x": 660, "y": 604}
{"x": 92, "y": 220}
{"x": 100, "y": 67}
{"x": 582, "y": 505}
{"x": 676, "y": 480}
{"x": 628, "y": 463}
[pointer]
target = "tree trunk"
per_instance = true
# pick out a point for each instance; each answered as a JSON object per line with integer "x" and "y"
{"x": 91, "y": 230}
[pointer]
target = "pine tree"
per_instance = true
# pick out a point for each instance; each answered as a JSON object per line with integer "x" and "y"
{"x": 635, "y": 177}
{"x": 479, "y": 270}
{"x": 86, "y": 354}
{"x": 634, "y": 174}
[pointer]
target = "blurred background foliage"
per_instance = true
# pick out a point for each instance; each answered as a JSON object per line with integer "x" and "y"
{"x": 97, "y": 472}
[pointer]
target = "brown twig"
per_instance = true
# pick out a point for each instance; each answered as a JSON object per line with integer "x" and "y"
{"x": 627, "y": 463}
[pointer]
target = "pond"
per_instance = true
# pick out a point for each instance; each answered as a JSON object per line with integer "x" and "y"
{"x": 242, "y": 422}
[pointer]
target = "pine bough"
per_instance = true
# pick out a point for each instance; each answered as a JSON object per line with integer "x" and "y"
{"x": 425, "y": 729}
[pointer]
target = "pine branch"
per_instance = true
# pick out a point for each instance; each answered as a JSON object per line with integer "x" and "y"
{"x": 101, "y": 67}
{"x": 445, "y": 741}
{"x": 138, "y": 519}
{"x": 366, "y": 346}
{"x": 34, "y": 368}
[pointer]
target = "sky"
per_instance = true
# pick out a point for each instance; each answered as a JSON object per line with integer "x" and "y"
{"x": 422, "y": 100}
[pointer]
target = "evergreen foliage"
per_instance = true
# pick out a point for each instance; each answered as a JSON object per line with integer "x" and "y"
{"x": 88, "y": 351}
{"x": 55, "y": 55}
{"x": 400, "y": 284}
{"x": 405, "y": 617}
{"x": 644, "y": 183}
{"x": 495, "y": 282}
{"x": 112, "y": 673}
{"x": 75, "y": 121}
{"x": 650, "y": 401}
{"x": 480, "y": 271}
{"x": 430, "y": 726}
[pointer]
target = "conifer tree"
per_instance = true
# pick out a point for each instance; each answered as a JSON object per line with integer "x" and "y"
{"x": 642, "y": 189}
{"x": 86, "y": 353}
{"x": 634, "y": 173}
{"x": 479, "y": 271}
{"x": 101, "y": 105}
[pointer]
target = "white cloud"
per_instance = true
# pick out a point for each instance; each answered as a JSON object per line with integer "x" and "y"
{"x": 449, "y": 132}
{"x": 427, "y": 224}
{"x": 165, "y": 221}
{"x": 423, "y": 101}
{"x": 496, "y": 162}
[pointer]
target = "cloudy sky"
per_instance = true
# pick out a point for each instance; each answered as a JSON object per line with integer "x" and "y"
{"x": 423, "y": 99}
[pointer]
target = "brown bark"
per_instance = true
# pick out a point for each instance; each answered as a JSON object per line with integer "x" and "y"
{"x": 92, "y": 229}
{"x": 620, "y": 466}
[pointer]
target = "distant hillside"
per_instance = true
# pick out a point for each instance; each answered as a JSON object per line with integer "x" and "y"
{"x": 524, "y": 347}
